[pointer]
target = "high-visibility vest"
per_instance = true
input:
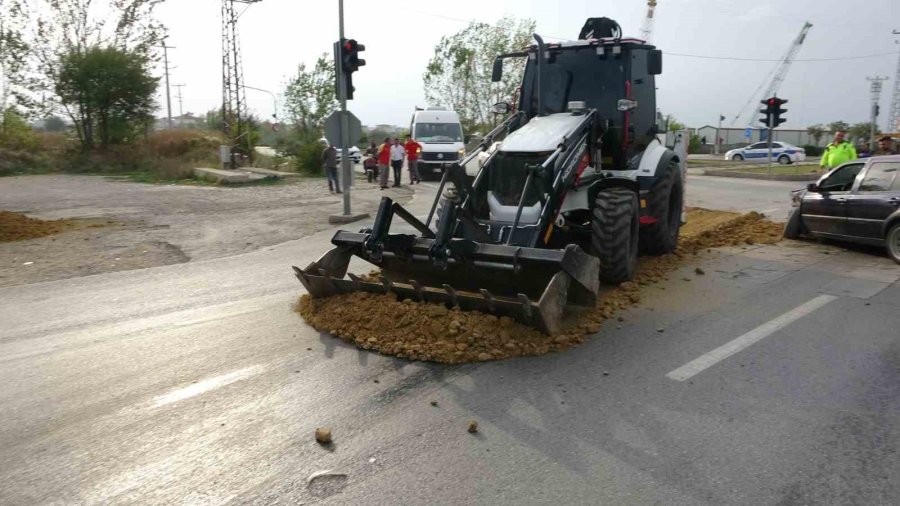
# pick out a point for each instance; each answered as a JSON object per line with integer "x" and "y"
{"x": 836, "y": 154}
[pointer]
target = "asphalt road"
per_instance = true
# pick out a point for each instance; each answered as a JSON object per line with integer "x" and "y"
{"x": 775, "y": 380}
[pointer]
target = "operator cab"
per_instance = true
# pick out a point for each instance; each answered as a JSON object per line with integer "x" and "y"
{"x": 608, "y": 73}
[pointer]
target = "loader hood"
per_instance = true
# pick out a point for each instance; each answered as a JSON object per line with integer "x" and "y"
{"x": 542, "y": 133}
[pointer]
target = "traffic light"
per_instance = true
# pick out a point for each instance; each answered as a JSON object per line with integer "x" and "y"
{"x": 766, "y": 112}
{"x": 772, "y": 111}
{"x": 350, "y": 63}
{"x": 777, "y": 111}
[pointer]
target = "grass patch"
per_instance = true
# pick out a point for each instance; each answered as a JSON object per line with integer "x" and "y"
{"x": 149, "y": 177}
{"x": 780, "y": 170}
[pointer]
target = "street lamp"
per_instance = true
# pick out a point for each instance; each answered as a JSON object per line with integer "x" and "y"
{"x": 274, "y": 98}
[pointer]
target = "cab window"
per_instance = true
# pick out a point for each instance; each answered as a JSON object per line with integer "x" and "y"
{"x": 841, "y": 180}
{"x": 879, "y": 177}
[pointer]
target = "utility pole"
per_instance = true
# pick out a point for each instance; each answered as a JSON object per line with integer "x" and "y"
{"x": 894, "y": 119}
{"x": 180, "y": 104}
{"x": 875, "y": 88}
{"x": 716, "y": 140}
{"x": 168, "y": 94}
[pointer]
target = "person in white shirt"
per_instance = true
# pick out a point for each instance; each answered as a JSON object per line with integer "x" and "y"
{"x": 397, "y": 154}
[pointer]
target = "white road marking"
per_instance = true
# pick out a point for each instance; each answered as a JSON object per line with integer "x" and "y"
{"x": 206, "y": 385}
{"x": 703, "y": 362}
{"x": 769, "y": 211}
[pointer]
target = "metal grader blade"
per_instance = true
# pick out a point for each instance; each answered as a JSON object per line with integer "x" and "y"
{"x": 532, "y": 285}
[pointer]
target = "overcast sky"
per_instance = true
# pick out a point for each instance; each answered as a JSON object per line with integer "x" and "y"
{"x": 400, "y": 36}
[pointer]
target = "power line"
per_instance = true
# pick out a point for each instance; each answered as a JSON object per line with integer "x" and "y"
{"x": 771, "y": 60}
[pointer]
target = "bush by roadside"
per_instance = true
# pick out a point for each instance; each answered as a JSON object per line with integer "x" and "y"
{"x": 813, "y": 150}
{"x": 160, "y": 156}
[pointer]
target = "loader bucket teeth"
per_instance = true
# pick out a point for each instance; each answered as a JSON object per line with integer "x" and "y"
{"x": 488, "y": 300}
{"x": 545, "y": 313}
{"x": 420, "y": 296}
{"x": 452, "y": 298}
{"x": 532, "y": 285}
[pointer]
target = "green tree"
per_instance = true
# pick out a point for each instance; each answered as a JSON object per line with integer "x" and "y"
{"x": 13, "y": 66}
{"x": 53, "y": 123}
{"x": 459, "y": 74}
{"x": 860, "y": 132}
{"x": 816, "y": 132}
{"x": 59, "y": 28}
{"x": 838, "y": 126}
{"x": 673, "y": 125}
{"x": 15, "y": 134}
{"x": 109, "y": 92}
{"x": 310, "y": 96}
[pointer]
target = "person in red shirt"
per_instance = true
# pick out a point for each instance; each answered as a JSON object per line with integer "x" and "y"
{"x": 413, "y": 149}
{"x": 384, "y": 161}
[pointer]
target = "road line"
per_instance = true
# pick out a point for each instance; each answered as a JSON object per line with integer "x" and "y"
{"x": 703, "y": 362}
{"x": 206, "y": 385}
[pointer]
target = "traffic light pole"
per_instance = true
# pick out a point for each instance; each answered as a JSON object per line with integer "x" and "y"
{"x": 346, "y": 172}
{"x": 343, "y": 126}
{"x": 772, "y": 119}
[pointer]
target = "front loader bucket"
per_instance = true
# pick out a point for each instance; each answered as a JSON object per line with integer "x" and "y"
{"x": 532, "y": 285}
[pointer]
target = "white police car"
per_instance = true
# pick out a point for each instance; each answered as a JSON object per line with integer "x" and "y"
{"x": 782, "y": 153}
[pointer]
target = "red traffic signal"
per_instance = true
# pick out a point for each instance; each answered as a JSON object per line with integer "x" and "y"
{"x": 772, "y": 111}
{"x": 350, "y": 60}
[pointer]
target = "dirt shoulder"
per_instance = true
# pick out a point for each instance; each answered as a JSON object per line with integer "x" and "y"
{"x": 116, "y": 225}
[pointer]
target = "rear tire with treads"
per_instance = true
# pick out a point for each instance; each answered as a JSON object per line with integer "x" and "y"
{"x": 614, "y": 234}
{"x": 664, "y": 202}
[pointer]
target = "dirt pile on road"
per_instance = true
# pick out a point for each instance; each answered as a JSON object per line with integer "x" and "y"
{"x": 18, "y": 227}
{"x": 432, "y": 332}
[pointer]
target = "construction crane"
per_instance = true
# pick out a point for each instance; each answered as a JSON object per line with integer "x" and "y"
{"x": 779, "y": 72}
{"x": 647, "y": 29}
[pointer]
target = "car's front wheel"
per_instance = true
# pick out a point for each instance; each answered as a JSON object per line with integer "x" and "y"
{"x": 892, "y": 242}
{"x": 737, "y": 158}
{"x": 784, "y": 159}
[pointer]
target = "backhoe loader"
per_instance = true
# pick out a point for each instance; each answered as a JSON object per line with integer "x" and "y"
{"x": 578, "y": 185}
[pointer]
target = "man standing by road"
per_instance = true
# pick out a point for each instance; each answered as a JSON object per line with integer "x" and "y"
{"x": 329, "y": 156}
{"x": 413, "y": 149}
{"x": 384, "y": 160}
{"x": 837, "y": 152}
{"x": 886, "y": 147}
{"x": 397, "y": 154}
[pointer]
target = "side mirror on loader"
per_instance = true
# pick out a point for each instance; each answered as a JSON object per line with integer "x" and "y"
{"x": 497, "y": 71}
{"x": 654, "y": 62}
{"x": 624, "y": 105}
{"x": 501, "y": 108}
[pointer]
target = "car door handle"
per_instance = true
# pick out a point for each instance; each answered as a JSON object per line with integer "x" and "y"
{"x": 894, "y": 200}
{"x": 841, "y": 200}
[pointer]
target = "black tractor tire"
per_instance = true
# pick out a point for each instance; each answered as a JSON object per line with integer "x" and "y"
{"x": 614, "y": 234}
{"x": 664, "y": 202}
{"x": 794, "y": 226}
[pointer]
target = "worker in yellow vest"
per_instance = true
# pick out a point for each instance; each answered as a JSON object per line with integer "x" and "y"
{"x": 837, "y": 152}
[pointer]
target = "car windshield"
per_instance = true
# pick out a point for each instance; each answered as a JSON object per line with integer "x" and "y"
{"x": 438, "y": 132}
